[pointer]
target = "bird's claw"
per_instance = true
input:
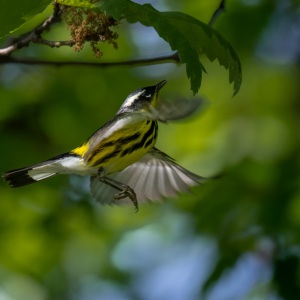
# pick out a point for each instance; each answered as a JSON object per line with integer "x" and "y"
{"x": 128, "y": 192}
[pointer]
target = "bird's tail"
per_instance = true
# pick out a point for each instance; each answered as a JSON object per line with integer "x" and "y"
{"x": 34, "y": 173}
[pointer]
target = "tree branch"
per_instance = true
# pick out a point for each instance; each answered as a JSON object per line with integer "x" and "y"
{"x": 172, "y": 58}
{"x": 34, "y": 36}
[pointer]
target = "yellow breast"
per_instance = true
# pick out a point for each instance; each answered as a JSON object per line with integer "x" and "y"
{"x": 122, "y": 148}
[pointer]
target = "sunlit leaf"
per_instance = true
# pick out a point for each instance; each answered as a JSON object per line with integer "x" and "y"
{"x": 78, "y": 3}
{"x": 15, "y": 13}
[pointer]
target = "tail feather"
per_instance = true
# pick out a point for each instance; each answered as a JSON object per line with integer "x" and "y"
{"x": 35, "y": 173}
{"x": 25, "y": 176}
{"x": 19, "y": 177}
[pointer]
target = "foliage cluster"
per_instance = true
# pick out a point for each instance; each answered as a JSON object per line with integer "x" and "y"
{"x": 89, "y": 26}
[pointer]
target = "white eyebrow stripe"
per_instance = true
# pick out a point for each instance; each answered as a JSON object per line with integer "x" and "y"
{"x": 128, "y": 102}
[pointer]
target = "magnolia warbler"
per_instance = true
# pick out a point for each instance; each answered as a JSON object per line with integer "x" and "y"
{"x": 120, "y": 157}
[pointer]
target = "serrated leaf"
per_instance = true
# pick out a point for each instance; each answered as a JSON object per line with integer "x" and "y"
{"x": 15, "y": 13}
{"x": 185, "y": 34}
{"x": 189, "y": 36}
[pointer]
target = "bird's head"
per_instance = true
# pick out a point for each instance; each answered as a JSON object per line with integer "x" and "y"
{"x": 143, "y": 100}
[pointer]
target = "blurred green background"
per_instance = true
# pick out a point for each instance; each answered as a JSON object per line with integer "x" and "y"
{"x": 236, "y": 237}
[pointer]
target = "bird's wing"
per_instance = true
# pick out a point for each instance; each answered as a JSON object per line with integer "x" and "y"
{"x": 179, "y": 108}
{"x": 154, "y": 177}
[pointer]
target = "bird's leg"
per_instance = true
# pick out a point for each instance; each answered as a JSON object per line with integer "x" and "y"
{"x": 125, "y": 190}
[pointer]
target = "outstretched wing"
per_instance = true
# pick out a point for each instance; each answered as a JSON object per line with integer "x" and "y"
{"x": 154, "y": 177}
{"x": 179, "y": 108}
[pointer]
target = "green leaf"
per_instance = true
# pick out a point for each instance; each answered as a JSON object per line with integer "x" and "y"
{"x": 185, "y": 34}
{"x": 15, "y": 13}
{"x": 189, "y": 36}
{"x": 78, "y": 3}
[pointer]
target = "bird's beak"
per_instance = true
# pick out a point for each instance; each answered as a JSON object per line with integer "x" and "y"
{"x": 160, "y": 85}
{"x": 157, "y": 88}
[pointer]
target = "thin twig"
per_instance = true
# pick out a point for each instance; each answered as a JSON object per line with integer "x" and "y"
{"x": 54, "y": 44}
{"x": 172, "y": 58}
{"x": 217, "y": 12}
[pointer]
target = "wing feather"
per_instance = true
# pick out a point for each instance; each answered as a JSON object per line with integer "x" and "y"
{"x": 155, "y": 177}
{"x": 180, "y": 108}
